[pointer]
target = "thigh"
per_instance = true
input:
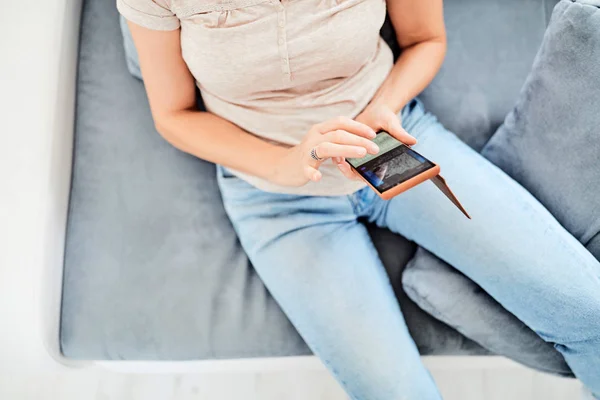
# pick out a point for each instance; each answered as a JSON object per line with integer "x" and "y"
{"x": 512, "y": 247}
{"x": 320, "y": 265}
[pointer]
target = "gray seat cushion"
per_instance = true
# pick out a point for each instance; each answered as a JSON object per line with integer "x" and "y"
{"x": 153, "y": 269}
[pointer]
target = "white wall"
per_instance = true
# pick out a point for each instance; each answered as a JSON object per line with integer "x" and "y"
{"x": 37, "y": 72}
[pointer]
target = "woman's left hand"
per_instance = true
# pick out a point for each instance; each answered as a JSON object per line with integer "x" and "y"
{"x": 378, "y": 117}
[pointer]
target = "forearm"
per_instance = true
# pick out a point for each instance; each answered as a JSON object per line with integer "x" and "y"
{"x": 414, "y": 70}
{"x": 215, "y": 139}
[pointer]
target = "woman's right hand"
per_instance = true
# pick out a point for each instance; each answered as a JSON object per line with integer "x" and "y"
{"x": 339, "y": 137}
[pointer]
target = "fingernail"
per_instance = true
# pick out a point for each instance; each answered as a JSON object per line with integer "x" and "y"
{"x": 361, "y": 152}
{"x": 373, "y": 133}
{"x": 374, "y": 148}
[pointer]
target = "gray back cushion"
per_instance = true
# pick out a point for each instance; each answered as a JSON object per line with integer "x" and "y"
{"x": 550, "y": 142}
{"x": 491, "y": 46}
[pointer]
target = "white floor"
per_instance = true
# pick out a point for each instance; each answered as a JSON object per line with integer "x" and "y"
{"x": 513, "y": 383}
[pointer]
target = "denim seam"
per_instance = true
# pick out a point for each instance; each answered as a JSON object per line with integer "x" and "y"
{"x": 566, "y": 343}
{"x": 325, "y": 361}
{"x": 353, "y": 203}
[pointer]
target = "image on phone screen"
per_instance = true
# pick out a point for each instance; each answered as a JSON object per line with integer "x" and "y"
{"x": 395, "y": 163}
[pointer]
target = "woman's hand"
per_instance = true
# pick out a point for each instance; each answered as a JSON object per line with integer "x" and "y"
{"x": 338, "y": 138}
{"x": 377, "y": 117}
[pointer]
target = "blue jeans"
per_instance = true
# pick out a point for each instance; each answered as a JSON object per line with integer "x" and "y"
{"x": 319, "y": 263}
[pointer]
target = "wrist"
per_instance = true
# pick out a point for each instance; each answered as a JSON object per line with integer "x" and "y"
{"x": 394, "y": 104}
{"x": 274, "y": 163}
{"x": 391, "y": 94}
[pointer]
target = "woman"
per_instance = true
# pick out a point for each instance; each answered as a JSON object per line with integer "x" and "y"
{"x": 293, "y": 88}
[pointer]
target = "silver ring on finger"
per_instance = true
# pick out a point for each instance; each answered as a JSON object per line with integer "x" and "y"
{"x": 314, "y": 156}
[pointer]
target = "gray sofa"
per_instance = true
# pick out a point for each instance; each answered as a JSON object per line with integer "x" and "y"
{"x": 153, "y": 269}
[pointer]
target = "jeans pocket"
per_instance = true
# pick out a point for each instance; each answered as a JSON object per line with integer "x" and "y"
{"x": 224, "y": 173}
{"x": 232, "y": 186}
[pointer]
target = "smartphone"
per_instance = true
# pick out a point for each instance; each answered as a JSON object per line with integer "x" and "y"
{"x": 395, "y": 169}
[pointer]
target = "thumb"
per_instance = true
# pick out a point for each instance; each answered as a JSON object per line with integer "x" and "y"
{"x": 394, "y": 128}
{"x": 312, "y": 173}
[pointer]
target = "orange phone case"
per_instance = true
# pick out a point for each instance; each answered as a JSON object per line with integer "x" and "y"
{"x": 404, "y": 186}
{"x": 432, "y": 173}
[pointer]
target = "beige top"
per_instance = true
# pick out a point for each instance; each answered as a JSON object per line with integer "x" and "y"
{"x": 276, "y": 68}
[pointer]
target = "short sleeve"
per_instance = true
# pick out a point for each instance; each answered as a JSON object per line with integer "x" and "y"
{"x": 151, "y": 14}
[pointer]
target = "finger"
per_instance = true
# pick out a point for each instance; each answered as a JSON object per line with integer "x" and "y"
{"x": 347, "y": 124}
{"x": 343, "y": 137}
{"x": 347, "y": 171}
{"x": 394, "y": 128}
{"x": 312, "y": 173}
{"x": 330, "y": 150}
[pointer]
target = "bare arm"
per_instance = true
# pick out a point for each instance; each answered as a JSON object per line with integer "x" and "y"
{"x": 171, "y": 93}
{"x": 420, "y": 31}
{"x": 419, "y": 26}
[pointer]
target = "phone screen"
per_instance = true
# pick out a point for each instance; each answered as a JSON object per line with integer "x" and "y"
{"x": 395, "y": 163}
